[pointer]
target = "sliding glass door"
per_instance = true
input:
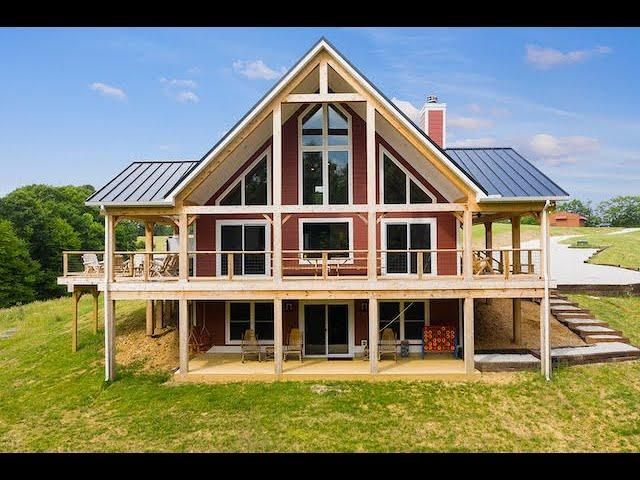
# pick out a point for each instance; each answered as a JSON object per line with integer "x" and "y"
{"x": 326, "y": 330}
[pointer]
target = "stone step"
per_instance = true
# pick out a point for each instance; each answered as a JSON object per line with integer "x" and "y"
{"x": 594, "y": 353}
{"x": 590, "y": 339}
{"x": 578, "y": 321}
{"x": 573, "y": 315}
{"x": 584, "y": 330}
{"x": 567, "y": 308}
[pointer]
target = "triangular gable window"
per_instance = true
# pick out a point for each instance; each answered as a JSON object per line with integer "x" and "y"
{"x": 252, "y": 188}
{"x": 398, "y": 186}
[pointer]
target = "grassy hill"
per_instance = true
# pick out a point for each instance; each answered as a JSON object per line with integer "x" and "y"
{"x": 55, "y": 400}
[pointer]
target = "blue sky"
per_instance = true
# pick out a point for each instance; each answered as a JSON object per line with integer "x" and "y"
{"x": 77, "y": 105}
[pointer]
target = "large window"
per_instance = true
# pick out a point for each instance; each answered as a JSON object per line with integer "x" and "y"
{"x": 403, "y": 239}
{"x": 398, "y": 186}
{"x": 247, "y": 237}
{"x": 325, "y": 156}
{"x": 242, "y": 316}
{"x": 252, "y": 188}
{"x": 405, "y": 318}
{"x": 316, "y": 235}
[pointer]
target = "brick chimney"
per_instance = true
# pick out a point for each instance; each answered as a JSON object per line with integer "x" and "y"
{"x": 433, "y": 117}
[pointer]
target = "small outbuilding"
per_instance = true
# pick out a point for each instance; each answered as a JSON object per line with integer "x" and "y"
{"x": 567, "y": 219}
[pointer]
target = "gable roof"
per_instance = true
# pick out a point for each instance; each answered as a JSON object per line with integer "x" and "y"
{"x": 506, "y": 174}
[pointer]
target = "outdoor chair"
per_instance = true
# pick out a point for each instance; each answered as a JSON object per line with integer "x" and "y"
{"x": 387, "y": 344}
{"x": 481, "y": 265}
{"x": 249, "y": 345}
{"x": 167, "y": 268}
{"x": 91, "y": 263}
{"x": 294, "y": 344}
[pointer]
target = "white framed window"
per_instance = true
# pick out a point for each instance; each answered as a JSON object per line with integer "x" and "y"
{"x": 406, "y": 318}
{"x": 398, "y": 185}
{"x": 251, "y": 237}
{"x": 404, "y": 235}
{"x": 241, "y": 316}
{"x": 316, "y": 234}
{"x": 253, "y": 187}
{"x": 325, "y": 156}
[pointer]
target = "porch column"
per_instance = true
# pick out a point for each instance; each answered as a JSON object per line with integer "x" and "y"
{"x": 373, "y": 335}
{"x": 149, "y": 318}
{"x": 183, "y": 336}
{"x": 74, "y": 321}
{"x": 467, "y": 255}
{"x": 515, "y": 243}
{"x": 276, "y": 167}
{"x": 468, "y": 347}
{"x": 158, "y": 314}
{"x": 109, "y": 304}
{"x": 517, "y": 320}
{"x": 488, "y": 238}
{"x": 183, "y": 237}
{"x": 545, "y": 348}
{"x": 96, "y": 297}
{"x": 372, "y": 263}
{"x": 277, "y": 336}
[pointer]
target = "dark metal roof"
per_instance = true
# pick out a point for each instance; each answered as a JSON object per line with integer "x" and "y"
{"x": 143, "y": 182}
{"x": 504, "y": 172}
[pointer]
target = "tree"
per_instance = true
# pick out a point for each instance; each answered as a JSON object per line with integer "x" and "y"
{"x": 582, "y": 208}
{"x": 17, "y": 270}
{"x": 623, "y": 211}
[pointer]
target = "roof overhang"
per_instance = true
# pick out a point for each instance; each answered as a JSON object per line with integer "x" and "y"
{"x": 498, "y": 199}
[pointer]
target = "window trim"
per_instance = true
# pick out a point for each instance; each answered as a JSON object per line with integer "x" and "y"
{"x": 347, "y": 220}
{"x": 324, "y": 149}
{"x": 245, "y": 222}
{"x": 432, "y": 221}
{"x": 241, "y": 179}
{"x": 409, "y": 177}
{"x": 252, "y": 321}
{"x": 403, "y": 305}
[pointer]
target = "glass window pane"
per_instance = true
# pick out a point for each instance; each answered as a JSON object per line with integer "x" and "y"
{"x": 338, "y": 177}
{"x": 312, "y": 127}
{"x": 414, "y": 311}
{"x": 396, "y": 240}
{"x": 417, "y": 195}
{"x": 255, "y": 184}
{"x": 420, "y": 234}
{"x": 312, "y": 178}
{"x": 413, "y": 330}
{"x": 239, "y": 320}
{"x": 395, "y": 183}
{"x": 325, "y": 236}
{"x": 234, "y": 197}
{"x": 338, "y": 127}
{"x": 254, "y": 240}
{"x": 388, "y": 312}
{"x": 237, "y": 329}
{"x": 231, "y": 241}
{"x": 264, "y": 320}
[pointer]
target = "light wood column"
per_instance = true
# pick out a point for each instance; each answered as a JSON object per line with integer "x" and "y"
{"x": 74, "y": 321}
{"x": 515, "y": 243}
{"x": 183, "y": 236}
{"x": 372, "y": 263}
{"x": 467, "y": 255}
{"x": 468, "y": 348}
{"x": 276, "y": 167}
{"x": 109, "y": 310}
{"x": 373, "y": 335}
{"x": 96, "y": 300}
{"x": 149, "y": 318}
{"x": 158, "y": 313}
{"x": 545, "y": 347}
{"x": 183, "y": 336}
{"x": 277, "y": 336}
{"x": 488, "y": 238}
{"x": 517, "y": 321}
{"x": 148, "y": 246}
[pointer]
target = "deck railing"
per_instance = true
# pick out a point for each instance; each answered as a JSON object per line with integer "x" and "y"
{"x": 323, "y": 264}
{"x": 230, "y": 264}
{"x": 421, "y": 264}
{"x": 507, "y": 261}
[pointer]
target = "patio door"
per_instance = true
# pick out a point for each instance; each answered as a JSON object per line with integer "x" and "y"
{"x": 326, "y": 330}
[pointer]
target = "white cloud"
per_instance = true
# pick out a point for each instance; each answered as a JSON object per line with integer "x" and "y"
{"x": 187, "y": 96}
{"x": 178, "y": 82}
{"x": 408, "y": 109}
{"x": 474, "y": 142}
{"x": 108, "y": 90}
{"x": 546, "y": 58}
{"x": 194, "y": 71}
{"x": 499, "y": 111}
{"x": 468, "y": 123}
{"x": 256, "y": 69}
{"x": 561, "y": 150}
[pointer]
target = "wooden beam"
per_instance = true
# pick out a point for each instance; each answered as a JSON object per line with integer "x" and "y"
{"x": 109, "y": 310}
{"x": 323, "y": 98}
{"x": 96, "y": 297}
{"x": 467, "y": 254}
{"x": 517, "y": 321}
{"x": 488, "y": 237}
{"x": 545, "y": 346}
{"x": 468, "y": 347}
{"x": 372, "y": 255}
{"x": 373, "y": 335}
{"x": 324, "y": 78}
{"x": 183, "y": 336}
{"x": 276, "y": 166}
{"x": 277, "y": 336}
{"x": 183, "y": 237}
{"x": 149, "y": 318}
{"x": 515, "y": 243}
{"x": 510, "y": 207}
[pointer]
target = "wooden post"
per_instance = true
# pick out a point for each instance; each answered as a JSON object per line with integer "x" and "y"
{"x": 96, "y": 297}
{"x": 506, "y": 264}
{"x": 517, "y": 320}
{"x": 373, "y": 335}
{"x": 158, "y": 315}
{"x": 325, "y": 265}
{"x": 149, "y": 318}
{"x": 183, "y": 237}
{"x": 467, "y": 262}
{"x": 183, "y": 334}
{"x": 65, "y": 264}
{"x": 230, "y": 266}
{"x": 545, "y": 347}
{"x": 468, "y": 347}
{"x": 148, "y": 247}
{"x": 74, "y": 321}
{"x": 109, "y": 310}
{"x": 515, "y": 243}
{"x": 420, "y": 264}
{"x": 277, "y": 336}
{"x": 372, "y": 254}
{"x": 488, "y": 242}
{"x": 276, "y": 168}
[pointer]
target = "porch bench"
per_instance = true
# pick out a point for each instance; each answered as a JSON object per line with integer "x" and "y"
{"x": 440, "y": 339}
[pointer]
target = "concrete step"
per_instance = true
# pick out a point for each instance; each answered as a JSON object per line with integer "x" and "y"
{"x": 590, "y": 339}
{"x": 560, "y": 303}
{"x": 584, "y": 330}
{"x": 564, "y": 315}
{"x": 595, "y": 353}
{"x": 567, "y": 308}
{"x": 578, "y": 321}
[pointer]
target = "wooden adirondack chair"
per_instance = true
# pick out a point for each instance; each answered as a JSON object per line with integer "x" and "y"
{"x": 168, "y": 267}
{"x": 91, "y": 263}
{"x": 387, "y": 344}
{"x": 249, "y": 345}
{"x": 294, "y": 344}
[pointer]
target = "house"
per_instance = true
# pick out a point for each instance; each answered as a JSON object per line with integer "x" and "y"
{"x": 567, "y": 219}
{"x": 326, "y": 211}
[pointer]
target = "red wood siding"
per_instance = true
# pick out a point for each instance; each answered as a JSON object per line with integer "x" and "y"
{"x": 360, "y": 322}
{"x": 436, "y": 126}
{"x": 213, "y": 314}
{"x": 444, "y": 312}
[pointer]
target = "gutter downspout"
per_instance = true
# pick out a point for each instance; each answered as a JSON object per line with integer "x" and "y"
{"x": 546, "y": 327}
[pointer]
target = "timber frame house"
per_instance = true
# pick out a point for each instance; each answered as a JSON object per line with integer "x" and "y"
{"x": 324, "y": 209}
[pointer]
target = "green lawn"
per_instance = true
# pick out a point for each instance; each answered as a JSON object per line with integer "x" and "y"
{"x": 54, "y": 400}
{"x": 159, "y": 242}
{"x": 622, "y": 250}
